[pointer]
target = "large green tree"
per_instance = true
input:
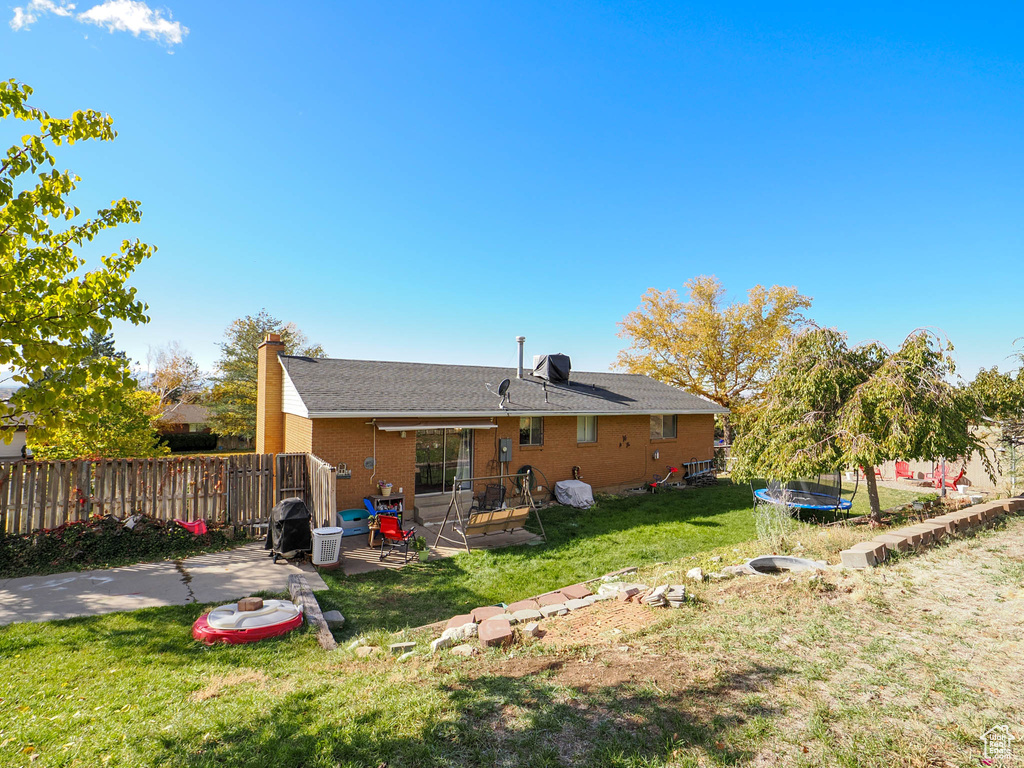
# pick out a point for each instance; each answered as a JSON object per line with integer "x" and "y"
{"x": 103, "y": 420}
{"x": 55, "y": 304}
{"x": 722, "y": 352}
{"x": 233, "y": 397}
{"x": 831, "y": 406}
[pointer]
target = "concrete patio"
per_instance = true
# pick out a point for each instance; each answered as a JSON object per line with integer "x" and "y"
{"x": 357, "y": 557}
{"x": 220, "y": 577}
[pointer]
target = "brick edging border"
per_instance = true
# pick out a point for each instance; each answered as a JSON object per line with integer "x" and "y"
{"x": 870, "y": 553}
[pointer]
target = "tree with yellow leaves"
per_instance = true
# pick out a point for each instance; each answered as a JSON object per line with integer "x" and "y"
{"x": 722, "y": 352}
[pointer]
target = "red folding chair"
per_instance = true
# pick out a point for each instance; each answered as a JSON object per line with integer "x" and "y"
{"x": 393, "y": 537}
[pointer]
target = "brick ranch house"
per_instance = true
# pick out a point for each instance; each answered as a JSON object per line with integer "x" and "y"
{"x": 417, "y": 425}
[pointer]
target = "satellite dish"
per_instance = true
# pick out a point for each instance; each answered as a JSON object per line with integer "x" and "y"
{"x": 503, "y": 387}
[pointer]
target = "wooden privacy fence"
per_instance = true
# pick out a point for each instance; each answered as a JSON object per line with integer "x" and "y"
{"x": 37, "y": 495}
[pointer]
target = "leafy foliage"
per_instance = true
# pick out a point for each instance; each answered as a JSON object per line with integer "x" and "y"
{"x": 722, "y": 353}
{"x": 830, "y": 406}
{"x": 54, "y": 315}
{"x": 176, "y": 377}
{"x": 102, "y": 419}
{"x": 233, "y": 398}
{"x": 101, "y": 541}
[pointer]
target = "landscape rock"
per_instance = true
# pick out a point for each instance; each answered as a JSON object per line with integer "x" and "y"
{"x": 558, "y": 609}
{"x": 460, "y": 620}
{"x": 334, "y": 619}
{"x": 521, "y": 605}
{"x": 397, "y": 649}
{"x": 576, "y": 591}
{"x": 532, "y": 629}
{"x": 366, "y": 650}
{"x": 464, "y": 650}
{"x": 458, "y": 634}
{"x": 656, "y": 597}
{"x": 576, "y": 604}
{"x": 487, "y": 612}
{"x": 527, "y": 615}
{"x": 495, "y": 632}
{"x": 551, "y": 598}
{"x": 441, "y": 643}
{"x": 696, "y": 574}
{"x": 405, "y": 656}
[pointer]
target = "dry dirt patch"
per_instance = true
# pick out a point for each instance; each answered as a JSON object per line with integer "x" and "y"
{"x": 906, "y": 664}
{"x": 219, "y": 684}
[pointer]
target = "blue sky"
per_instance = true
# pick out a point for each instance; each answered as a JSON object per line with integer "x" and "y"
{"x": 425, "y": 181}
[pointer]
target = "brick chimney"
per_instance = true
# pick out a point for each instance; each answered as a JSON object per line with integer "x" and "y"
{"x": 269, "y": 393}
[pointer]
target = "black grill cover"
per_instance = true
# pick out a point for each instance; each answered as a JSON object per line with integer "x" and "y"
{"x": 290, "y": 533}
{"x": 554, "y": 368}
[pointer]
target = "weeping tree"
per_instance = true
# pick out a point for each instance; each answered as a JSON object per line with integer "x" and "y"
{"x": 830, "y": 406}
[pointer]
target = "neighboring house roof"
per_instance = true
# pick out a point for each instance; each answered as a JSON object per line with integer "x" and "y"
{"x": 320, "y": 387}
{"x": 186, "y": 413}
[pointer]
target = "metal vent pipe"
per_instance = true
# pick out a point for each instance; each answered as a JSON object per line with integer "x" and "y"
{"x": 519, "y": 371}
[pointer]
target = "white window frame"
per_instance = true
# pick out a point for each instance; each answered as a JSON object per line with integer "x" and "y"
{"x": 535, "y": 428}
{"x": 586, "y": 429}
{"x": 658, "y": 426}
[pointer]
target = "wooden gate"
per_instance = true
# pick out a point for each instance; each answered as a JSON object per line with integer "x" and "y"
{"x": 311, "y": 479}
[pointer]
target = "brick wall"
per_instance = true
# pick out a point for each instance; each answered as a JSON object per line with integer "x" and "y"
{"x": 269, "y": 388}
{"x": 622, "y": 455}
{"x": 351, "y": 441}
{"x": 298, "y": 434}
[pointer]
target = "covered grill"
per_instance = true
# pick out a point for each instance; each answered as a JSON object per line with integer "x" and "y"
{"x": 289, "y": 534}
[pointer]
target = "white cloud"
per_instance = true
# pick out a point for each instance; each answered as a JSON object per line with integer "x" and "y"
{"x": 136, "y": 17}
{"x": 116, "y": 15}
{"x": 30, "y": 13}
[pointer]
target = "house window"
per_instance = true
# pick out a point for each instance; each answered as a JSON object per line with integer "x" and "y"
{"x": 531, "y": 430}
{"x": 442, "y": 455}
{"x": 663, "y": 426}
{"x": 586, "y": 429}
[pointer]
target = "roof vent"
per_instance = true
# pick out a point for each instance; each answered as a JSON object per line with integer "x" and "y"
{"x": 553, "y": 368}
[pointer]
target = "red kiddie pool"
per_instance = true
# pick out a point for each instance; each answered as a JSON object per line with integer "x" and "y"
{"x": 227, "y": 624}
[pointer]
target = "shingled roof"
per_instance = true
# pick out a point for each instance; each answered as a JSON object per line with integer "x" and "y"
{"x": 338, "y": 388}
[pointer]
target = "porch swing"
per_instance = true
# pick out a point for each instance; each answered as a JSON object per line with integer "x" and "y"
{"x": 493, "y": 516}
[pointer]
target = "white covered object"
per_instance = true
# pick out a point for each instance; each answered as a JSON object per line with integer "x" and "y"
{"x": 273, "y": 612}
{"x": 574, "y": 493}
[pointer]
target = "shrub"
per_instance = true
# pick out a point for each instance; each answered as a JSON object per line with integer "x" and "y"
{"x": 190, "y": 441}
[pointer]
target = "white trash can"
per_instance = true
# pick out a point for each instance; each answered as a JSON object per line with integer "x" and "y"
{"x": 326, "y": 546}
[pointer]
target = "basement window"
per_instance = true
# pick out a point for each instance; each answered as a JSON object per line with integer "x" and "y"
{"x": 531, "y": 430}
{"x": 663, "y": 426}
{"x": 586, "y": 429}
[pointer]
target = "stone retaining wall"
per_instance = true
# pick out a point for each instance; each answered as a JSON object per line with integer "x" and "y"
{"x": 868, "y": 554}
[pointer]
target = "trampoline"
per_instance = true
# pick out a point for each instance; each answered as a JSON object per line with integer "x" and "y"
{"x": 823, "y": 494}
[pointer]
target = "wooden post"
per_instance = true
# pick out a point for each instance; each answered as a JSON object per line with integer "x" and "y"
{"x": 302, "y": 595}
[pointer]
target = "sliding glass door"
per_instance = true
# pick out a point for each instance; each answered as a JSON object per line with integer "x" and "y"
{"x": 441, "y": 456}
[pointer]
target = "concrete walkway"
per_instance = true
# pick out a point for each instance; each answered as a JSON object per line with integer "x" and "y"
{"x": 219, "y": 577}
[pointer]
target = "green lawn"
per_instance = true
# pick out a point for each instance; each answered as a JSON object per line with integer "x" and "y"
{"x": 134, "y": 689}
{"x": 617, "y": 532}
